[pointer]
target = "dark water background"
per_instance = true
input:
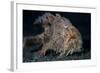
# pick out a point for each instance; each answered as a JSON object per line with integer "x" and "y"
{"x": 82, "y": 21}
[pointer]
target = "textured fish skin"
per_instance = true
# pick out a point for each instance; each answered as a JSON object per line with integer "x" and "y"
{"x": 59, "y": 35}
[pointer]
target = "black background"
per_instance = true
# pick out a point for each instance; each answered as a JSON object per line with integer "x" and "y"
{"x": 82, "y": 21}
